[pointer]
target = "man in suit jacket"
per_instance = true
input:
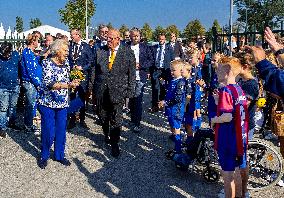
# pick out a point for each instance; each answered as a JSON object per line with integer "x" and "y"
{"x": 114, "y": 81}
{"x": 160, "y": 71}
{"x": 102, "y": 39}
{"x": 144, "y": 60}
{"x": 81, "y": 57}
{"x": 176, "y": 47}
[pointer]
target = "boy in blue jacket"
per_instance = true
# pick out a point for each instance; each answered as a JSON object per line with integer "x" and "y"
{"x": 175, "y": 102}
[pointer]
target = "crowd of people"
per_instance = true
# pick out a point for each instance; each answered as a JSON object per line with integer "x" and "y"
{"x": 116, "y": 69}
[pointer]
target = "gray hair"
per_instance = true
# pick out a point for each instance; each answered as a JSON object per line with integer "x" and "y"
{"x": 56, "y": 45}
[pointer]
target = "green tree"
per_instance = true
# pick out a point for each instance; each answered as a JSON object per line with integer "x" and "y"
{"x": 172, "y": 29}
{"x": 19, "y": 24}
{"x": 260, "y": 13}
{"x": 193, "y": 29}
{"x": 159, "y": 30}
{"x": 35, "y": 23}
{"x": 146, "y": 32}
{"x": 123, "y": 29}
{"x": 109, "y": 25}
{"x": 73, "y": 14}
{"x": 209, "y": 33}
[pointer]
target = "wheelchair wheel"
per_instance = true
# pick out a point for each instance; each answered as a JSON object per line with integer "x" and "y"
{"x": 211, "y": 174}
{"x": 265, "y": 165}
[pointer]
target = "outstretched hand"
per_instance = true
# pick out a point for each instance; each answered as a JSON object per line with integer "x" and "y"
{"x": 271, "y": 40}
{"x": 257, "y": 52}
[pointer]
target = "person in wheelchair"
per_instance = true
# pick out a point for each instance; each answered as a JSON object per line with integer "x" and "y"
{"x": 183, "y": 160}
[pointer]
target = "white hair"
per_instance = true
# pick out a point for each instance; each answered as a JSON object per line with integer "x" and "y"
{"x": 56, "y": 45}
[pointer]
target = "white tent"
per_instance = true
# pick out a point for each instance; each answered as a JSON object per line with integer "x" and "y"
{"x": 44, "y": 29}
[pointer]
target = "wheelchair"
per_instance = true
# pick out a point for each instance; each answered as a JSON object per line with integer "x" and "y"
{"x": 199, "y": 151}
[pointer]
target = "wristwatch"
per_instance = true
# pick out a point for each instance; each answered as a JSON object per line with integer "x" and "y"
{"x": 280, "y": 51}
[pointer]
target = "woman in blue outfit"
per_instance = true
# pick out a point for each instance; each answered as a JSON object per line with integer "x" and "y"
{"x": 53, "y": 103}
{"x": 9, "y": 87}
{"x": 31, "y": 73}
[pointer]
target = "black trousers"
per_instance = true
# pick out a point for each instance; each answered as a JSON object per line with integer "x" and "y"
{"x": 82, "y": 112}
{"x": 111, "y": 116}
{"x": 159, "y": 87}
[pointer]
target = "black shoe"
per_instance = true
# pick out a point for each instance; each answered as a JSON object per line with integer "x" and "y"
{"x": 71, "y": 125}
{"x": 42, "y": 164}
{"x": 84, "y": 125}
{"x": 15, "y": 127}
{"x": 136, "y": 129}
{"x": 3, "y": 133}
{"x": 153, "y": 110}
{"x": 107, "y": 140}
{"x": 115, "y": 150}
{"x": 64, "y": 162}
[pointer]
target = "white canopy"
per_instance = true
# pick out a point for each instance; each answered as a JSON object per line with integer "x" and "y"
{"x": 47, "y": 29}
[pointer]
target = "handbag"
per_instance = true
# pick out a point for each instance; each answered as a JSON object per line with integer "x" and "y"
{"x": 278, "y": 119}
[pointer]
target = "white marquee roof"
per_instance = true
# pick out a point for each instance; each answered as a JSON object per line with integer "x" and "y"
{"x": 47, "y": 29}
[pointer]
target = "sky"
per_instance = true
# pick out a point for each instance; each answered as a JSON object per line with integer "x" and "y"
{"x": 118, "y": 12}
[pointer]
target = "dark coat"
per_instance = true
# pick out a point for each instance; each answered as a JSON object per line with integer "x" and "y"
{"x": 120, "y": 80}
{"x": 178, "y": 52}
{"x": 168, "y": 57}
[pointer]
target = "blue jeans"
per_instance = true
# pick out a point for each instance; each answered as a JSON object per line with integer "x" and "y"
{"x": 30, "y": 102}
{"x": 53, "y": 129}
{"x": 8, "y": 103}
{"x": 135, "y": 104}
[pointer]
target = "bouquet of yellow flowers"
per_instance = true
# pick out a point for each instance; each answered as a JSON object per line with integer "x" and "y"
{"x": 77, "y": 74}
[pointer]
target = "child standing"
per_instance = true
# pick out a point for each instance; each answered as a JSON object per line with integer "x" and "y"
{"x": 186, "y": 73}
{"x": 194, "y": 116}
{"x": 175, "y": 102}
{"x": 231, "y": 125}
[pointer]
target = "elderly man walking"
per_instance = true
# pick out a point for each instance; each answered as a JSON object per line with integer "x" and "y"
{"x": 114, "y": 81}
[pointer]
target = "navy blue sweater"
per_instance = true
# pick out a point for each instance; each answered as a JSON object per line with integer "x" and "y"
{"x": 9, "y": 71}
{"x": 273, "y": 77}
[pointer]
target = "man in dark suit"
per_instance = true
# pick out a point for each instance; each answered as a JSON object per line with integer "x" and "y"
{"x": 160, "y": 71}
{"x": 81, "y": 57}
{"x": 144, "y": 60}
{"x": 102, "y": 39}
{"x": 114, "y": 81}
{"x": 176, "y": 47}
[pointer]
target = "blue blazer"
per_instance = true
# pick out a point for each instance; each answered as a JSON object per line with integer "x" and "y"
{"x": 85, "y": 59}
{"x": 272, "y": 76}
{"x": 169, "y": 55}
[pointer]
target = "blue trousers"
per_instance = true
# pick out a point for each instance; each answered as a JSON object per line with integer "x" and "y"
{"x": 8, "y": 103}
{"x": 53, "y": 129}
{"x": 136, "y": 110}
{"x": 30, "y": 102}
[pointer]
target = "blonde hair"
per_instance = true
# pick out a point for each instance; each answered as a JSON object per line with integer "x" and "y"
{"x": 230, "y": 64}
{"x": 179, "y": 63}
{"x": 31, "y": 38}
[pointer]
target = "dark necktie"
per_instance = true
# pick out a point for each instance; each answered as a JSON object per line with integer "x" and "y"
{"x": 76, "y": 54}
{"x": 159, "y": 56}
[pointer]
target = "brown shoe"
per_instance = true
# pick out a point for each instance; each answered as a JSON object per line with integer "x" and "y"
{"x": 3, "y": 133}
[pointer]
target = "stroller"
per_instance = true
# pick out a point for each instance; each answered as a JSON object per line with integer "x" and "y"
{"x": 200, "y": 150}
